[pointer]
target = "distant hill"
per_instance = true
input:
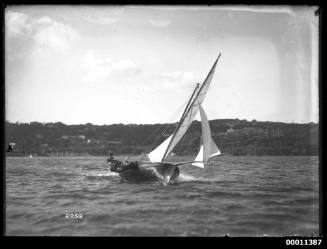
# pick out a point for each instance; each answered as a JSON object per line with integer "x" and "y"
{"x": 233, "y": 136}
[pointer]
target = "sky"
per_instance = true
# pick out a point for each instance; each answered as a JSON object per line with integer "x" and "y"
{"x": 140, "y": 64}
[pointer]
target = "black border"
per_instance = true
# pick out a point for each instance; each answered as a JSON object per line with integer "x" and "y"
{"x": 275, "y": 242}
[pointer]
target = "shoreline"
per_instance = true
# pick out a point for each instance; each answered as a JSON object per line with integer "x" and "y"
{"x": 137, "y": 156}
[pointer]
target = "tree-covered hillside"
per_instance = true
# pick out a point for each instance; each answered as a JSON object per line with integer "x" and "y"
{"x": 233, "y": 136}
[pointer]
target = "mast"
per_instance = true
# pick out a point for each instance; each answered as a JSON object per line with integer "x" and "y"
{"x": 207, "y": 76}
{"x": 190, "y": 105}
{"x": 186, "y": 109}
{"x": 158, "y": 152}
{"x": 182, "y": 118}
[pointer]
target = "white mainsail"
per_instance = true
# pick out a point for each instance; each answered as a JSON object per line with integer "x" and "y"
{"x": 164, "y": 149}
{"x": 189, "y": 115}
{"x": 208, "y": 147}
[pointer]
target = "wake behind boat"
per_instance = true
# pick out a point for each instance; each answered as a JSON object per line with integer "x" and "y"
{"x": 154, "y": 166}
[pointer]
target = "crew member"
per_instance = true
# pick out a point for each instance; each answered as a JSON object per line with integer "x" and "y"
{"x": 119, "y": 166}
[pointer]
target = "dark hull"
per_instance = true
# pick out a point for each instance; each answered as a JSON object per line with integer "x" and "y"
{"x": 151, "y": 173}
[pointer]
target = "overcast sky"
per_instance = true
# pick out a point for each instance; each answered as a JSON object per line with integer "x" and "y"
{"x": 139, "y": 64}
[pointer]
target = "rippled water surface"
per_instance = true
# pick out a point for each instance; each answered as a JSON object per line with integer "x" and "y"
{"x": 239, "y": 196}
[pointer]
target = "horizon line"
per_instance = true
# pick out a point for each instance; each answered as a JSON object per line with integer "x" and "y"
{"x": 250, "y": 121}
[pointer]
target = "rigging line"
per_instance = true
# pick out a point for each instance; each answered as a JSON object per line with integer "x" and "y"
{"x": 188, "y": 106}
{"x": 167, "y": 123}
{"x": 158, "y": 138}
{"x": 164, "y": 129}
{"x": 151, "y": 135}
{"x": 161, "y": 127}
{"x": 167, "y": 126}
{"x": 145, "y": 158}
{"x": 192, "y": 100}
{"x": 187, "y": 102}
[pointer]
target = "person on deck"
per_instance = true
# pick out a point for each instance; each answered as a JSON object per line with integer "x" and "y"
{"x": 119, "y": 166}
{"x": 111, "y": 157}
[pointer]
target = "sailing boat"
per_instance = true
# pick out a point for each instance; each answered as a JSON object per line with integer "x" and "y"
{"x": 156, "y": 163}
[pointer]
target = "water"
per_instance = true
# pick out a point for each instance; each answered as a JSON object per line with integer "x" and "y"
{"x": 239, "y": 196}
